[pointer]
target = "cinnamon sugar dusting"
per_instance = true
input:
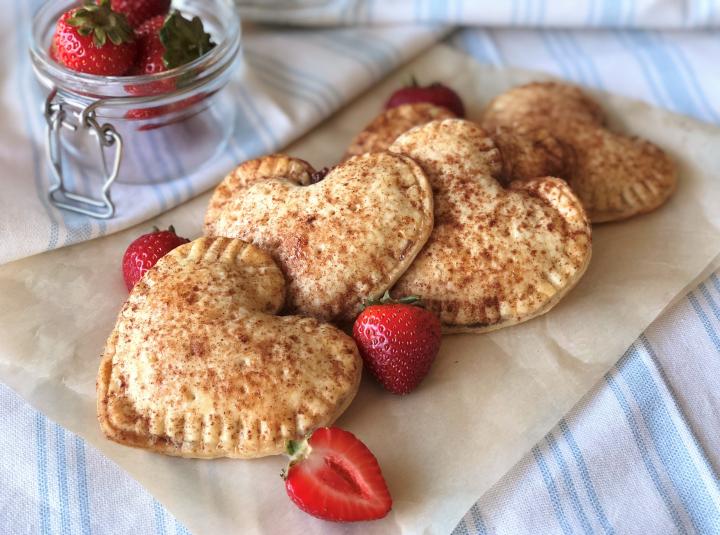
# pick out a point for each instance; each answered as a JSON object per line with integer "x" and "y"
{"x": 496, "y": 256}
{"x": 555, "y": 128}
{"x": 218, "y": 374}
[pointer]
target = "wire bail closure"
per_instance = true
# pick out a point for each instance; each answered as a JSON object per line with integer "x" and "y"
{"x": 56, "y": 117}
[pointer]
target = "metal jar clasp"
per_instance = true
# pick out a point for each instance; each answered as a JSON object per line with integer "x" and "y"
{"x": 57, "y": 119}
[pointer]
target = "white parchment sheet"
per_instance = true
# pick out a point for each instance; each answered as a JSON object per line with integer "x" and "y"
{"x": 488, "y": 398}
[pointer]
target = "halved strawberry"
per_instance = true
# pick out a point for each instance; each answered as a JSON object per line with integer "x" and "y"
{"x": 334, "y": 476}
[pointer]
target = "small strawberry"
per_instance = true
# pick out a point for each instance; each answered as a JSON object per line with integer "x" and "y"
{"x": 138, "y": 11}
{"x": 437, "y": 93}
{"x": 398, "y": 341}
{"x": 150, "y": 48}
{"x": 166, "y": 43}
{"x": 334, "y": 476}
{"x": 93, "y": 39}
{"x": 169, "y": 42}
{"x": 169, "y": 112}
{"x": 145, "y": 251}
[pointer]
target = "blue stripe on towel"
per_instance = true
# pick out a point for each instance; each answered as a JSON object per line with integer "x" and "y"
{"x": 709, "y": 112}
{"x": 41, "y": 448}
{"x": 667, "y": 72}
{"x": 569, "y": 485}
{"x": 549, "y": 42}
{"x": 709, "y": 329}
{"x": 303, "y": 78}
{"x": 480, "y": 527}
{"x": 62, "y": 478}
{"x": 643, "y": 448}
{"x": 585, "y": 476}
{"x": 671, "y": 449}
{"x": 709, "y": 298}
{"x": 625, "y": 40}
{"x": 716, "y": 282}
{"x": 283, "y": 84}
{"x": 552, "y": 491}
{"x": 82, "y": 486}
{"x": 159, "y": 516}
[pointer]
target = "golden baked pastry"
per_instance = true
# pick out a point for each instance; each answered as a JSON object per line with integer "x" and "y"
{"x": 531, "y": 152}
{"x": 338, "y": 241}
{"x": 198, "y": 365}
{"x": 386, "y": 127}
{"x": 615, "y": 176}
{"x": 496, "y": 256}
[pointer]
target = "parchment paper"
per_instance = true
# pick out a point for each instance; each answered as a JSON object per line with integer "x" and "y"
{"x": 487, "y": 400}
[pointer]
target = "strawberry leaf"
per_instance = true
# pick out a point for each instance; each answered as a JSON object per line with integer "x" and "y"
{"x": 292, "y": 447}
{"x": 185, "y": 40}
{"x": 387, "y": 300}
{"x": 100, "y": 21}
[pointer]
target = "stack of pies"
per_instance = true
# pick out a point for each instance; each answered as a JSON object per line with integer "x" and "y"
{"x": 226, "y": 347}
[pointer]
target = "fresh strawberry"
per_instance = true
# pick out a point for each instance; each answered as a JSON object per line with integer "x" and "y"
{"x": 169, "y": 112}
{"x": 150, "y": 48}
{"x": 138, "y": 11}
{"x": 398, "y": 341}
{"x": 167, "y": 43}
{"x": 334, "y": 476}
{"x": 437, "y": 93}
{"x": 93, "y": 39}
{"x": 145, "y": 251}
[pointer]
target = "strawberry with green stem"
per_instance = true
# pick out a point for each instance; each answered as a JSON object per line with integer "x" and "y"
{"x": 398, "y": 340}
{"x": 94, "y": 39}
{"x": 166, "y": 43}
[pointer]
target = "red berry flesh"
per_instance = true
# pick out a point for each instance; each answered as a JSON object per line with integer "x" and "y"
{"x": 334, "y": 476}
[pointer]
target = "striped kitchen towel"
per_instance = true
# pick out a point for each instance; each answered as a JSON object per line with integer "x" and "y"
{"x": 52, "y": 482}
{"x": 639, "y": 454}
{"x": 656, "y": 14}
{"x": 671, "y": 70}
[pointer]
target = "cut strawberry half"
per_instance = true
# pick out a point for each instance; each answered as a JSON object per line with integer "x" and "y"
{"x": 334, "y": 476}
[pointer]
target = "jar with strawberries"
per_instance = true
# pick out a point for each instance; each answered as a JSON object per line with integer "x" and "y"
{"x": 129, "y": 82}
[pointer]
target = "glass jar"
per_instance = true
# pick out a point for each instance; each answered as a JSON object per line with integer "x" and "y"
{"x": 110, "y": 126}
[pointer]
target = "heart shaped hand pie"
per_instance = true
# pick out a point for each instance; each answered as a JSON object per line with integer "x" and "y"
{"x": 496, "y": 256}
{"x": 338, "y": 241}
{"x": 615, "y": 176}
{"x": 387, "y": 127}
{"x": 198, "y": 365}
